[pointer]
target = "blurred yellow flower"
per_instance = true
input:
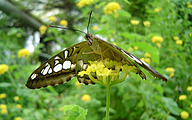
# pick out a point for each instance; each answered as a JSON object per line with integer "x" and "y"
{"x": 63, "y": 23}
{"x": 95, "y": 27}
{"x": 190, "y": 34}
{"x": 96, "y": 6}
{"x": 170, "y": 69}
{"x": 4, "y": 111}
{"x": 147, "y": 60}
{"x": 176, "y": 38}
{"x": 189, "y": 88}
{"x": 156, "y": 10}
{"x": 42, "y": 29}
{"x": 86, "y": 98}
{"x": 111, "y": 7}
{"x": 134, "y": 22}
{"x": 18, "y": 106}
{"x": 135, "y": 47}
{"x": 146, "y": 23}
{"x": 189, "y": 6}
{"x": 157, "y": 39}
{"x": 182, "y": 97}
{"x": 179, "y": 42}
{"x": 147, "y": 55}
{"x": 82, "y": 3}
{"x": 191, "y": 106}
{"x": 17, "y": 118}
{"x": 115, "y": 43}
{"x": 52, "y": 18}
{"x": 23, "y": 53}
{"x": 3, "y": 68}
{"x": 130, "y": 49}
{"x": 77, "y": 84}
{"x": 16, "y": 98}
{"x": 3, "y": 106}
{"x": 184, "y": 114}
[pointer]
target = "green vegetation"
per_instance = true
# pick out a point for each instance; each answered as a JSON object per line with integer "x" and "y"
{"x": 158, "y": 32}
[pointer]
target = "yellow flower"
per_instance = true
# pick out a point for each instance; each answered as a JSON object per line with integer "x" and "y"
{"x": 176, "y": 38}
{"x": 3, "y": 68}
{"x": 156, "y": 10}
{"x": 111, "y": 7}
{"x": 189, "y": 6}
{"x": 95, "y": 27}
{"x": 147, "y": 55}
{"x": 146, "y": 23}
{"x": 157, "y": 39}
{"x": 17, "y": 118}
{"x": 115, "y": 43}
{"x": 189, "y": 88}
{"x": 190, "y": 34}
{"x": 179, "y": 42}
{"x": 52, "y": 18}
{"x": 16, "y": 98}
{"x": 134, "y": 22}
{"x": 42, "y": 29}
{"x": 63, "y": 22}
{"x": 3, "y": 106}
{"x": 106, "y": 72}
{"x": 86, "y": 98}
{"x": 130, "y": 49}
{"x": 23, "y": 53}
{"x": 18, "y": 106}
{"x": 184, "y": 114}
{"x": 135, "y": 47}
{"x": 4, "y": 111}
{"x": 170, "y": 69}
{"x": 182, "y": 97}
{"x": 191, "y": 106}
{"x": 82, "y": 3}
{"x": 147, "y": 60}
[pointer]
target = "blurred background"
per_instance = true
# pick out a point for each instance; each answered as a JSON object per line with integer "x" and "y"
{"x": 158, "y": 32}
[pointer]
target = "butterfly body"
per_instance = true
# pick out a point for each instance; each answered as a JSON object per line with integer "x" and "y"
{"x": 65, "y": 65}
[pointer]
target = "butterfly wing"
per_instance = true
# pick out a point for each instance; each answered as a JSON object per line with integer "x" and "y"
{"x": 143, "y": 64}
{"x": 58, "y": 69}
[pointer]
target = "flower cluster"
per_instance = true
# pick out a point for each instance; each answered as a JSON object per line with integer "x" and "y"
{"x": 146, "y": 23}
{"x": 134, "y": 22}
{"x": 3, "y": 109}
{"x": 82, "y": 3}
{"x": 177, "y": 40}
{"x": 23, "y": 53}
{"x": 86, "y": 98}
{"x": 171, "y": 71}
{"x": 52, "y": 18}
{"x": 3, "y": 69}
{"x": 107, "y": 72}
{"x": 63, "y": 23}
{"x": 157, "y": 40}
{"x": 147, "y": 58}
{"x": 111, "y": 7}
{"x": 42, "y": 29}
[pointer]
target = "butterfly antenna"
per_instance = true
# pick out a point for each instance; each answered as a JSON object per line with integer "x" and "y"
{"x": 66, "y": 28}
{"x": 89, "y": 21}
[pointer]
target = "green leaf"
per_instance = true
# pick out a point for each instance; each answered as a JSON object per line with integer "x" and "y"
{"x": 171, "y": 105}
{"x": 158, "y": 88}
{"x": 75, "y": 112}
{"x": 122, "y": 13}
{"x": 150, "y": 49}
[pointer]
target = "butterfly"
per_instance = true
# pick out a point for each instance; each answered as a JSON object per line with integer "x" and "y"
{"x": 65, "y": 65}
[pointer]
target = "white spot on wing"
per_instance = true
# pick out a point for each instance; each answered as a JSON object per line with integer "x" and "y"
{"x": 33, "y": 76}
{"x": 45, "y": 70}
{"x": 65, "y": 53}
{"x": 66, "y": 65}
{"x": 73, "y": 66}
{"x": 50, "y": 71}
{"x": 57, "y": 68}
{"x": 57, "y": 57}
{"x": 56, "y": 62}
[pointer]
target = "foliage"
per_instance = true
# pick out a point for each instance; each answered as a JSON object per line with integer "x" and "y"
{"x": 132, "y": 99}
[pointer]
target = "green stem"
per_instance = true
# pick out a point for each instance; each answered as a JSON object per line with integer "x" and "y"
{"x": 108, "y": 101}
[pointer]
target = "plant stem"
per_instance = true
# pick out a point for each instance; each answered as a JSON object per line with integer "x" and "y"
{"x": 108, "y": 101}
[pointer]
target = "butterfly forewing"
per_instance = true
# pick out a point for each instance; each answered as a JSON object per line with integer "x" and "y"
{"x": 58, "y": 69}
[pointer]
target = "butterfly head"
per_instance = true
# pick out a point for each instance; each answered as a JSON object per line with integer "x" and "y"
{"x": 89, "y": 37}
